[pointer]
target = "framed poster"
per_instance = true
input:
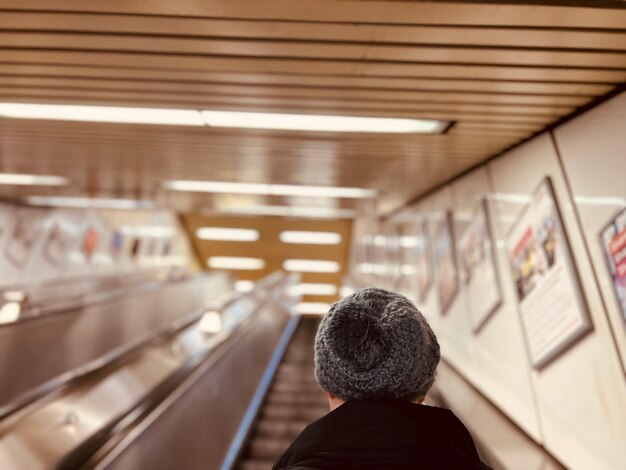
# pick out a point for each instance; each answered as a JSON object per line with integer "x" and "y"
{"x": 553, "y": 312}
{"x": 423, "y": 259}
{"x": 613, "y": 240}
{"x": 22, "y": 238}
{"x": 445, "y": 263}
{"x": 56, "y": 244}
{"x": 478, "y": 267}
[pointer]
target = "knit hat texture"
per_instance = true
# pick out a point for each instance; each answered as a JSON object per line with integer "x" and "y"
{"x": 375, "y": 344}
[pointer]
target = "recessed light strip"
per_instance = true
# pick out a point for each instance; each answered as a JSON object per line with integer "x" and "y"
{"x": 289, "y": 211}
{"x": 111, "y": 114}
{"x": 310, "y": 238}
{"x": 269, "y": 189}
{"x": 227, "y": 234}
{"x": 94, "y": 203}
{"x": 31, "y": 180}
{"x": 321, "y": 123}
{"x": 311, "y": 266}
{"x": 236, "y": 263}
{"x": 217, "y": 118}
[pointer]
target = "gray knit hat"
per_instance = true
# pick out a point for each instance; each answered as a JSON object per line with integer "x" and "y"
{"x": 375, "y": 344}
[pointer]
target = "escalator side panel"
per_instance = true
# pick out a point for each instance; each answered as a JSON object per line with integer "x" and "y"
{"x": 33, "y": 353}
{"x": 193, "y": 428}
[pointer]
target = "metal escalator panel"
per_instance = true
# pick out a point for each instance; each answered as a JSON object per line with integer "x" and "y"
{"x": 293, "y": 401}
{"x": 98, "y": 418}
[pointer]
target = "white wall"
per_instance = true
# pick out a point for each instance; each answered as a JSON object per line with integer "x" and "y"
{"x": 38, "y": 267}
{"x": 575, "y": 405}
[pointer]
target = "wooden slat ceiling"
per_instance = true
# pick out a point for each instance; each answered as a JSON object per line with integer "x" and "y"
{"x": 500, "y": 71}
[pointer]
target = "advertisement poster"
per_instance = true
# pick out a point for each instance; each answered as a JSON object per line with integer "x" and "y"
{"x": 135, "y": 248}
{"x": 478, "y": 268}
{"x": 117, "y": 244}
{"x": 56, "y": 244}
{"x": 22, "y": 238}
{"x": 445, "y": 263}
{"x": 613, "y": 239}
{"x": 90, "y": 243}
{"x": 553, "y": 312}
{"x": 424, "y": 265}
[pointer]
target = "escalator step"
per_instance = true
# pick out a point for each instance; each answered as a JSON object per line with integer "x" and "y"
{"x": 268, "y": 448}
{"x": 302, "y": 399}
{"x": 294, "y": 412}
{"x": 280, "y": 429}
{"x": 256, "y": 464}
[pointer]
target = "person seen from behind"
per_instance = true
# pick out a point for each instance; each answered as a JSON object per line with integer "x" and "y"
{"x": 375, "y": 356}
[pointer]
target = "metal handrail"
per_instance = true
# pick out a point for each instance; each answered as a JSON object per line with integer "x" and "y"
{"x": 37, "y": 311}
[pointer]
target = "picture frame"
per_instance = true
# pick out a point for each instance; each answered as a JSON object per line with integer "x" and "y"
{"x": 446, "y": 263}
{"x": 478, "y": 267}
{"x": 551, "y": 304}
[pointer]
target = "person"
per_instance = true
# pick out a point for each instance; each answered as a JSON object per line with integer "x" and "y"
{"x": 375, "y": 356}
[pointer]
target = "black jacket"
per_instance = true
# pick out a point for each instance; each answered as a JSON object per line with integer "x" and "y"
{"x": 383, "y": 435}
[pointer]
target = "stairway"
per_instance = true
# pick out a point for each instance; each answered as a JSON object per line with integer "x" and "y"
{"x": 293, "y": 401}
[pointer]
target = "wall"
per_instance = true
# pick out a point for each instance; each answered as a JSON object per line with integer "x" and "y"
{"x": 575, "y": 404}
{"x": 38, "y": 244}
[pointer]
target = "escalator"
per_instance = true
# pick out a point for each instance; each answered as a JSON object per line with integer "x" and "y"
{"x": 168, "y": 396}
{"x": 293, "y": 401}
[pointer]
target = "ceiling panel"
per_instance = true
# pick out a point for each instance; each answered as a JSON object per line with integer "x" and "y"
{"x": 501, "y": 72}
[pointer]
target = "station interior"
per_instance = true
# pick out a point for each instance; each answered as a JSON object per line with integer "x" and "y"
{"x": 187, "y": 187}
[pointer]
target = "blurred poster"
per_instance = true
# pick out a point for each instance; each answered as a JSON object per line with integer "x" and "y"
{"x": 423, "y": 260}
{"x": 22, "y": 238}
{"x": 135, "y": 247}
{"x": 478, "y": 268}
{"x": 56, "y": 244}
{"x": 445, "y": 263}
{"x": 613, "y": 238}
{"x": 553, "y": 312}
{"x": 90, "y": 243}
{"x": 117, "y": 244}
{"x": 166, "y": 249}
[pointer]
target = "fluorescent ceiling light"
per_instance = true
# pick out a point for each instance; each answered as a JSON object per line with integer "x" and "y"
{"x": 313, "y": 289}
{"x": 292, "y": 211}
{"x": 244, "y": 286}
{"x": 235, "y": 262}
{"x": 312, "y": 308}
{"x": 321, "y": 123}
{"x": 269, "y": 189}
{"x": 311, "y": 266}
{"x": 32, "y": 180}
{"x": 125, "y": 115}
{"x": 310, "y": 238}
{"x": 83, "y": 202}
{"x": 213, "y": 118}
{"x": 227, "y": 234}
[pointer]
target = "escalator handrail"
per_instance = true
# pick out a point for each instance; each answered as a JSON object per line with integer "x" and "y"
{"x": 36, "y": 312}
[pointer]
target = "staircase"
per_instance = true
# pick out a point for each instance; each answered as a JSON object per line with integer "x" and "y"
{"x": 294, "y": 401}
